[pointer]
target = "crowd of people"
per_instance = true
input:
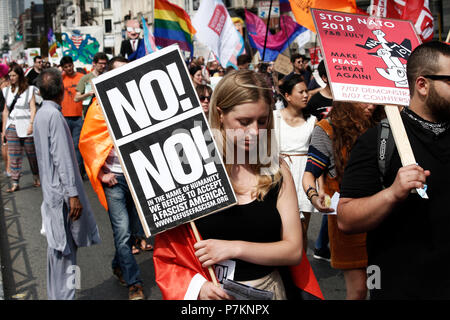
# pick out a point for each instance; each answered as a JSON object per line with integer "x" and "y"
{"x": 325, "y": 147}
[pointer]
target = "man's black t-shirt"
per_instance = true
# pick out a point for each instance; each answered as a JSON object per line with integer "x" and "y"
{"x": 319, "y": 106}
{"x": 411, "y": 246}
{"x": 32, "y": 77}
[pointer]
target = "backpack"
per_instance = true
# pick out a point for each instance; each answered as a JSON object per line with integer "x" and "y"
{"x": 385, "y": 147}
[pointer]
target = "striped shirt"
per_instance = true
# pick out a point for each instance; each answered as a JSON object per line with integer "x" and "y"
{"x": 320, "y": 154}
{"x": 112, "y": 163}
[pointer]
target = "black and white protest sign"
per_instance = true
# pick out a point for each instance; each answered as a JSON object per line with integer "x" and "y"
{"x": 163, "y": 141}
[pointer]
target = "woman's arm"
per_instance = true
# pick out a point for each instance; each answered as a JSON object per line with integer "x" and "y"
{"x": 32, "y": 113}
{"x": 317, "y": 198}
{"x": 287, "y": 251}
{"x": 5, "y": 116}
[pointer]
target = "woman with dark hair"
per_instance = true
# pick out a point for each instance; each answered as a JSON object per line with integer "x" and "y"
{"x": 204, "y": 93}
{"x": 196, "y": 75}
{"x": 293, "y": 129}
{"x": 18, "y": 116}
{"x": 331, "y": 142}
{"x": 4, "y": 82}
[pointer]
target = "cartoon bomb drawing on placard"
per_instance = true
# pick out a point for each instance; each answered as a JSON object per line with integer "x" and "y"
{"x": 390, "y": 52}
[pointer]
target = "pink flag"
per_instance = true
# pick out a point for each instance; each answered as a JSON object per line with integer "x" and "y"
{"x": 276, "y": 43}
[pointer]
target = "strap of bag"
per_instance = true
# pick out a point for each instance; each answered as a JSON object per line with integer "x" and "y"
{"x": 385, "y": 147}
{"x": 325, "y": 124}
{"x": 11, "y": 107}
{"x": 28, "y": 94}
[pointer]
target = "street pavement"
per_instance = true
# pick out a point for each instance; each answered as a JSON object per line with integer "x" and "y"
{"x": 23, "y": 252}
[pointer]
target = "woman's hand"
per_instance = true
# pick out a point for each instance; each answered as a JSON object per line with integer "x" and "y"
{"x": 211, "y": 292}
{"x": 211, "y": 251}
{"x": 30, "y": 129}
{"x": 319, "y": 203}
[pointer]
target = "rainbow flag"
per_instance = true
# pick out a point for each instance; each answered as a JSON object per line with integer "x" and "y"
{"x": 173, "y": 25}
{"x": 52, "y": 45}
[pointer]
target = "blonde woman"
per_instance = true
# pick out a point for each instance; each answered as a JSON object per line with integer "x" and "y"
{"x": 259, "y": 234}
{"x": 18, "y": 116}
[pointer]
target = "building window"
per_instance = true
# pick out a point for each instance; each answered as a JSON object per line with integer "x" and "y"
{"x": 107, "y": 4}
{"x": 108, "y": 25}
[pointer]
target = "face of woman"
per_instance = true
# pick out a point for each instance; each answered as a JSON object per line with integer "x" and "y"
{"x": 243, "y": 122}
{"x": 197, "y": 78}
{"x": 205, "y": 99}
{"x": 367, "y": 109}
{"x": 13, "y": 77}
{"x": 299, "y": 96}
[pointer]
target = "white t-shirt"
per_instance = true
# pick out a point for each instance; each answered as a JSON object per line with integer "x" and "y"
{"x": 21, "y": 113}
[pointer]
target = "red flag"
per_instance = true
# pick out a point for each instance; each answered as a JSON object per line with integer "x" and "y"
{"x": 176, "y": 264}
{"x": 417, "y": 11}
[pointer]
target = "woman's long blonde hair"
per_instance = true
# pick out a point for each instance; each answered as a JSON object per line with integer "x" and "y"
{"x": 237, "y": 88}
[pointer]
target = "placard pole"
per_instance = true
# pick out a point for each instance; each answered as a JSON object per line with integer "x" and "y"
{"x": 400, "y": 136}
{"x": 210, "y": 269}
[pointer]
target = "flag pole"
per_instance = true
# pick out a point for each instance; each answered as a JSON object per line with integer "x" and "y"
{"x": 210, "y": 269}
{"x": 267, "y": 30}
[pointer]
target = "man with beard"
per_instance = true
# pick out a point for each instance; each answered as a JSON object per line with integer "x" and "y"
{"x": 408, "y": 239}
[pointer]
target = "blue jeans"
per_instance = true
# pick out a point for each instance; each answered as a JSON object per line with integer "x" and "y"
{"x": 322, "y": 239}
{"x": 75, "y": 124}
{"x": 124, "y": 221}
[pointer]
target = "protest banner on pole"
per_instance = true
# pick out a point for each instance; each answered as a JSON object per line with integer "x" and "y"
{"x": 163, "y": 141}
{"x": 365, "y": 58}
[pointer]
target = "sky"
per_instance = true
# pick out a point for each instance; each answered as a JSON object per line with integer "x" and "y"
{"x": 28, "y": 2}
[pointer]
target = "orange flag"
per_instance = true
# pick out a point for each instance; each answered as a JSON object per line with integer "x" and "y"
{"x": 302, "y": 12}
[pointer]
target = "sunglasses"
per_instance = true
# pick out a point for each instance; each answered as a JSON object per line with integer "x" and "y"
{"x": 203, "y": 98}
{"x": 130, "y": 29}
{"x": 437, "y": 77}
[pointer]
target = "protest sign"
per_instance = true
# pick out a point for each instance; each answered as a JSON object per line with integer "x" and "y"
{"x": 283, "y": 65}
{"x": 366, "y": 56}
{"x": 216, "y": 30}
{"x": 30, "y": 54}
{"x": 163, "y": 140}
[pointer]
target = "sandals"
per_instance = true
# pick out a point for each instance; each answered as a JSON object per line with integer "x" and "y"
{"x": 135, "y": 250}
{"x": 37, "y": 182}
{"x": 141, "y": 245}
{"x": 15, "y": 187}
{"x": 144, "y": 246}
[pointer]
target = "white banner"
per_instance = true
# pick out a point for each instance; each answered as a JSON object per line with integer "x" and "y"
{"x": 82, "y": 43}
{"x": 216, "y": 30}
{"x": 30, "y": 54}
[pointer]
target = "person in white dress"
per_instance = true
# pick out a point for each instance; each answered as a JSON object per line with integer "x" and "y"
{"x": 17, "y": 122}
{"x": 293, "y": 129}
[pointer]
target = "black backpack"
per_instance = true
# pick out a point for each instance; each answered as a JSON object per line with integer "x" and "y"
{"x": 385, "y": 148}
